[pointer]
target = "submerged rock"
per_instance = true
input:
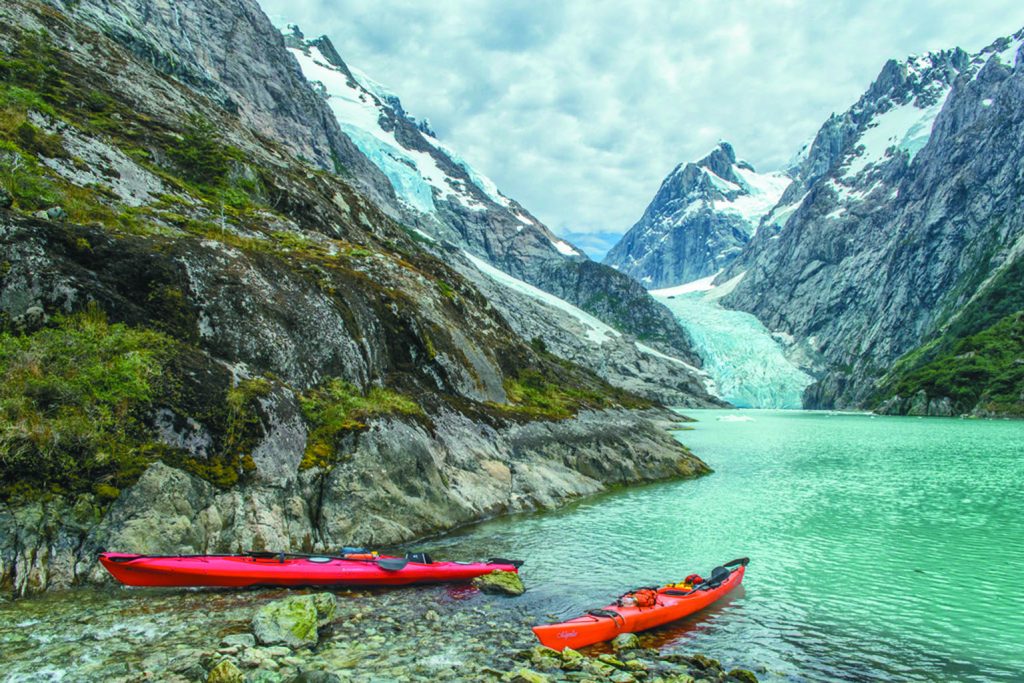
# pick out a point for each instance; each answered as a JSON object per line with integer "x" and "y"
{"x": 293, "y": 621}
{"x": 501, "y": 583}
{"x": 625, "y": 641}
{"x": 743, "y": 675}
{"x": 544, "y": 663}
{"x": 315, "y": 677}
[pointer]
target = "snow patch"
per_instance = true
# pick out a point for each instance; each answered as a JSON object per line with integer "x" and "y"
{"x": 701, "y": 285}
{"x": 597, "y": 332}
{"x": 358, "y": 107}
{"x": 905, "y": 127}
{"x": 564, "y": 248}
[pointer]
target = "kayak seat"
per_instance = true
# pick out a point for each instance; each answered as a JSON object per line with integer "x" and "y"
{"x": 718, "y": 576}
{"x": 421, "y": 558}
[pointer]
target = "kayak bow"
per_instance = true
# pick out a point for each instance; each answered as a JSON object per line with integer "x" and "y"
{"x": 671, "y": 604}
{"x": 282, "y": 569}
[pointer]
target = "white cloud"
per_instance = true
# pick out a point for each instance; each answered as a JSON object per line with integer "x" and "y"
{"x": 579, "y": 108}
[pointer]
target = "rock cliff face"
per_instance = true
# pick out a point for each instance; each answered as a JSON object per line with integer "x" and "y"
{"x": 698, "y": 222}
{"x": 230, "y": 52}
{"x": 271, "y": 359}
{"x": 905, "y": 208}
{"x": 402, "y": 481}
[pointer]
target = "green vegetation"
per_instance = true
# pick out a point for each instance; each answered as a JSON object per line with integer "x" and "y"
{"x": 446, "y": 289}
{"x": 985, "y": 369}
{"x": 242, "y": 431}
{"x": 337, "y": 408}
{"x": 540, "y": 395}
{"x": 977, "y": 359}
{"x": 22, "y": 177}
{"x": 72, "y": 400}
{"x": 200, "y": 154}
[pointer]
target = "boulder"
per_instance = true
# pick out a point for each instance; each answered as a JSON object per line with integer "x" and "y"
{"x": 572, "y": 660}
{"x": 293, "y": 621}
{"x": 525, "y": 676}
{"x": 501, "y": 583}
{"x": 225, "y": 672}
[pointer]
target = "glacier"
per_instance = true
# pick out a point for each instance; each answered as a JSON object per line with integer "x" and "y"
{"x": 746, "y": 363}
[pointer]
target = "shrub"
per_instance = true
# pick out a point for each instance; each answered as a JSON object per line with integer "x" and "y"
{"x": 72, "y": 400}
{"x": 985, "y": 368}
{"x": 200, "y": 154}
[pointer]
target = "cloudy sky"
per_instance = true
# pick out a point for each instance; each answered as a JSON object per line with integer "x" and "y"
{"x": 579, "y": 108}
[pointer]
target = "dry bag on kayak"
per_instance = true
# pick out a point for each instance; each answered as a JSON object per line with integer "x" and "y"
{"x": 641, "y": 597}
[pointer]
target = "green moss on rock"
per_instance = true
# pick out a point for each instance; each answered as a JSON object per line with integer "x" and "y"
{"x": 500, "y": 582}
{"x": 73, "y": 397}
{"x": 337, "y": 408}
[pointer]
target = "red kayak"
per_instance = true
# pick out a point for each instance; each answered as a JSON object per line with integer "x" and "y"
{"x": 283, "y": 569}
{"x": 642, "y": 609}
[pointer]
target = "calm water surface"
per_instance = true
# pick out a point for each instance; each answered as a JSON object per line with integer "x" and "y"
{"x": 882, "y": 548}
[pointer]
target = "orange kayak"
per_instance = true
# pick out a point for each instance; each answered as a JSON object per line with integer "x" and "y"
{"x": 670, "y": 604}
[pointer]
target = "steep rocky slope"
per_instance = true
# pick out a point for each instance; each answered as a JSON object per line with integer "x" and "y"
{"x": 209, "y": 344}
{"x": 904, "y": 210}
{"x": 698, "y": 222}
{"x": 443, "y": 197}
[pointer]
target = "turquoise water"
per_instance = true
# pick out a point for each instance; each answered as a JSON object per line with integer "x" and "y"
{"x": 882, "y": 548}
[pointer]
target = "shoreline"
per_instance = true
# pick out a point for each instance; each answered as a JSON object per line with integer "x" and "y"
{"x": 419, "y": 633}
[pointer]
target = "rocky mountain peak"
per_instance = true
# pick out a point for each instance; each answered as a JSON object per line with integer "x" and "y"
{"x": 903, "y": 208}
{"x": 702, "y": 215}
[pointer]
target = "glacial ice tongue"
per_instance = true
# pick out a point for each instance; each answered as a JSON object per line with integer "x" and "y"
{"x": 739, "y": 353}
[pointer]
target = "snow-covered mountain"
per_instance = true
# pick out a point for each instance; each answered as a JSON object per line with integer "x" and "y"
{"x": 903, "y": 210}
{"x": 460, "y": 213}
{"x": 699, "y": 221}
{"x": 447, "y": 198}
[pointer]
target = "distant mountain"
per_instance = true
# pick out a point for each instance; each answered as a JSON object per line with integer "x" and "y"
{"x": 904, "y": 212}
{"x": 699, "y": 221}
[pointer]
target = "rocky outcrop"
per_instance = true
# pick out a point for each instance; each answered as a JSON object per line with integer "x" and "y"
{"x": 918, "y": 405}
{"x": 905, "y": 208}
{"x": 698, "y": 222}
{"x": 401, "y": 482}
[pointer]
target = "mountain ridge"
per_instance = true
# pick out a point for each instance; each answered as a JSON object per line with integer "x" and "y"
{"x": 698, "y": 222}
{"x": 901, "y": 211}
